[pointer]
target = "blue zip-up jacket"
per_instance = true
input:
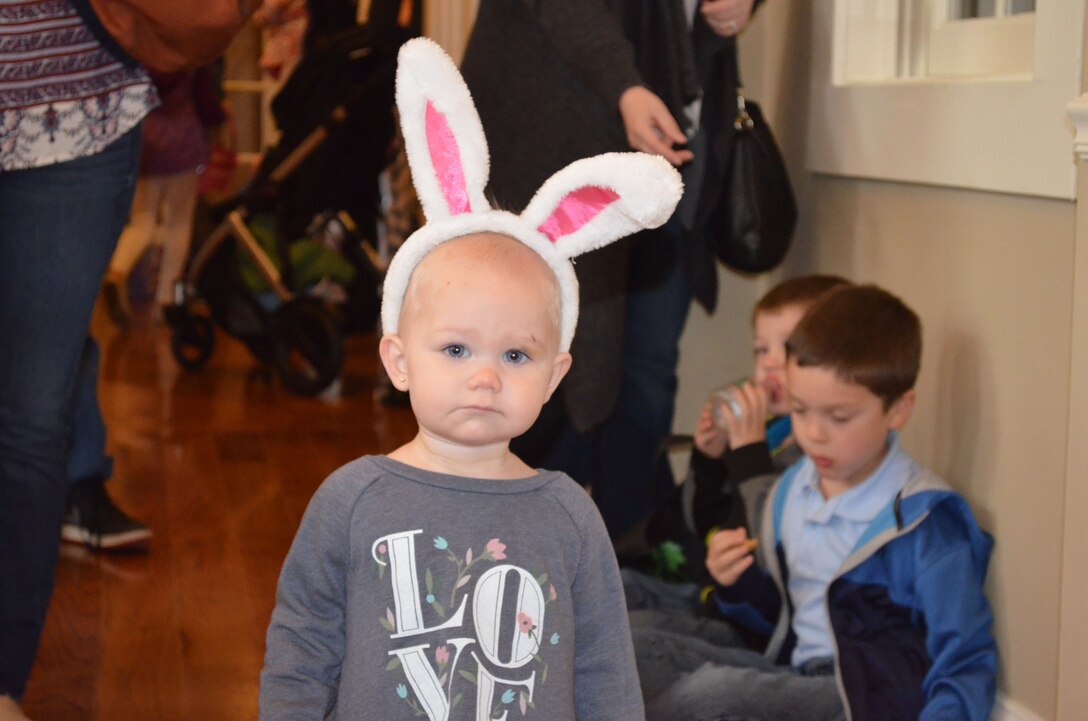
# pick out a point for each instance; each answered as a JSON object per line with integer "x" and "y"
{"x": 912, "y": 628}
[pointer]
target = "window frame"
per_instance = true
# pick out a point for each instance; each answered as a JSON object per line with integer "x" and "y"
{"x": 1007, "y": 133}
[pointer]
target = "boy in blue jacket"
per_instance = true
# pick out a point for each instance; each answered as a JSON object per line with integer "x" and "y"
{"x": 869, "y": 570}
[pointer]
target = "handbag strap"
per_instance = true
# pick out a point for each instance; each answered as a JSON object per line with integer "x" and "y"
{"x": 742, "y": 120}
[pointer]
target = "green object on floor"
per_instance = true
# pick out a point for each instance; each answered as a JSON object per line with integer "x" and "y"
{"x": 667, "y": 561}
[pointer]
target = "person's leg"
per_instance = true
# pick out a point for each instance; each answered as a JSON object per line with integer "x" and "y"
{"x": 645, "y": 592}
{"x": 631, "y": 470}
{"x": 688, "y": 678}
{"x": 131, "y": 246}
{"x": 60, "y": 224}
{"x": 715, "y": 631}
{"x": 179, "y": 203}
{"x": 87, "y": 457}
{"x": 140, "y": 227}
{"x": 90, "y": 516}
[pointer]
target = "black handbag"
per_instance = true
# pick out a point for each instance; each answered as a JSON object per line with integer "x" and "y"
{"x": 757, "y": 212}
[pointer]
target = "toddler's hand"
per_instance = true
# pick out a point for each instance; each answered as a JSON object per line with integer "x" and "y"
{"x": 729, "y": 554}
{"x": 650, "y": 126}
{"x": 709, "y": 439}
{"x": 751, "y": 427}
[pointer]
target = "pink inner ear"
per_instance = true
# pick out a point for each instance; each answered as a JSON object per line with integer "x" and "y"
{"x": 576, "y": 209}
{"x": 446, "y": 158}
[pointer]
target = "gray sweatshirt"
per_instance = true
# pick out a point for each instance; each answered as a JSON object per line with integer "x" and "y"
{"x": 416, "y": 595}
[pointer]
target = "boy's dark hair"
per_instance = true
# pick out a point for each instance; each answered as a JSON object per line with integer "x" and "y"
{"x": 803, "y": 290}
{"x": 865, "y": 335}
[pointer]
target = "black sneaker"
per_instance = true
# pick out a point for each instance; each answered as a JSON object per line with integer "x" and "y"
{"x": 92, "y": 519}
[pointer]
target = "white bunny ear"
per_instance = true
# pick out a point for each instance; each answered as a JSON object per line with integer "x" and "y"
{"x": 443, "y": 136}
{"x": 595, "y": 201}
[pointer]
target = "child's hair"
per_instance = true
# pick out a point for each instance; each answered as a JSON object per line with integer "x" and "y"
{"x": 865, "y": 335}
{"x": 802, "y": 291}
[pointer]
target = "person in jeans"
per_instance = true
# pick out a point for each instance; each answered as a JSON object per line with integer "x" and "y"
{"x": 90, "y": 515}
{"x": 69, "y": 148}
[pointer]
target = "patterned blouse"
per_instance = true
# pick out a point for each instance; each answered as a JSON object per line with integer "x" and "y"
{"x": 62, "y": 96}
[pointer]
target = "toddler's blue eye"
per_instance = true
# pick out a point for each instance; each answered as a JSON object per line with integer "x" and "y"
{"x": 455, "y": 350}
{"x": 515, "y": 357}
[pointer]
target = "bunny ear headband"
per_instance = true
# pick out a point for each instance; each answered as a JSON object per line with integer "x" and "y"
{"x": 586, "y": 205}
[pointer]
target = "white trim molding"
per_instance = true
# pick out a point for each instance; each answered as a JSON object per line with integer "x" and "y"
{"x": 1006, "y": 134}
{"x": 1008, "y": 710}
{"x": 1078, "y": 113}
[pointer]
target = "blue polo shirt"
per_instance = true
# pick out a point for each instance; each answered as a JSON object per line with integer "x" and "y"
{"x": 819, "y": 534}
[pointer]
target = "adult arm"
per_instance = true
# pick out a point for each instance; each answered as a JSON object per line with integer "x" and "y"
{"x": 589, "y": 39}
{"x": 305, "y": 641}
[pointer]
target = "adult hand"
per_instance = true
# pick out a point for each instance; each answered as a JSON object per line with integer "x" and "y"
{"x": 751, "y": 426}
{"x": 709, "y": 438}
{"x": 729, "y": 554}
{"x": 727, "y": 17}
{"x": 650, "y": 126}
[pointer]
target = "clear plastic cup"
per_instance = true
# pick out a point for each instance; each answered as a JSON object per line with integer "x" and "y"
{"x": 725, "y": 398}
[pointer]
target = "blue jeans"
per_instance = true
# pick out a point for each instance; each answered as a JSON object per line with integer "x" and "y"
{"x": 58, "y": 228}
{"x": 632, "y": 471}
{"x": 87, "y": 457}
{"x": 694, "y": 668}
{"x": 621, "y": 458}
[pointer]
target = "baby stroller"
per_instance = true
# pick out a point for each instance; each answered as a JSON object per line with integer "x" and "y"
{"x": 287, "y": 270}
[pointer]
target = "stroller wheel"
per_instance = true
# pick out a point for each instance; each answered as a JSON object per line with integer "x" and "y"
{"x": 308, "y": 346}
{"x": 192, "y": 341}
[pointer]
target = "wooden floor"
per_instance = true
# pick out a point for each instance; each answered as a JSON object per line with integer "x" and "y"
{"x": 220, "y": 464}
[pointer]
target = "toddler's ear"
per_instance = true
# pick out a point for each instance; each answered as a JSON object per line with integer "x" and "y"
{"x": 562, "y": 365}
{"x": 901, "y": 410}
{"x": 391, "y": 351}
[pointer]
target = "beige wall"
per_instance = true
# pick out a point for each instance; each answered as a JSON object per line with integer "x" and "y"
{"x": 994, "y": 279}
{"x": 1003, "y": 393}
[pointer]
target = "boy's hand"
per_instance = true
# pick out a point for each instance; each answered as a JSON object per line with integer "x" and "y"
{"x": 729, "y": 554}
{"x": 751, "y": 427}
{"x": 650, "y": 126}
{"x": 709, "y": 439}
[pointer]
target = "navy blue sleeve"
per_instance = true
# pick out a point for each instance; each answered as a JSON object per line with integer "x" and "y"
{"x": 753, "y": 601}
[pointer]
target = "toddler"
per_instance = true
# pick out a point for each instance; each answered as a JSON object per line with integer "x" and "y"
{"x": 449, "y": 580}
